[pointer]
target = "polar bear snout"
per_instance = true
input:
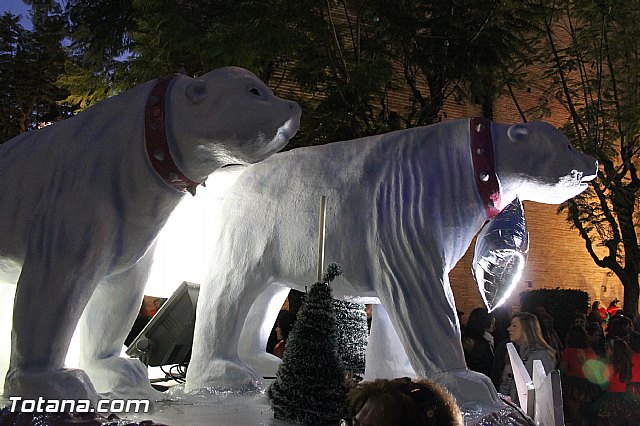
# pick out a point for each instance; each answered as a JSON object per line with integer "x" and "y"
{"x": 289, "y": 129}
{"x": 296, "y": 114}
{"x": 587, "y": 169}
{"x": 576, "y": 175}
{"x": 584, "y": 169}
{"x": 589, "y": 176}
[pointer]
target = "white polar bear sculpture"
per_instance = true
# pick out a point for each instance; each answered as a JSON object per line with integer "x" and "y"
{"x": 402, "y": 209}
{"x": 82, "y": 201}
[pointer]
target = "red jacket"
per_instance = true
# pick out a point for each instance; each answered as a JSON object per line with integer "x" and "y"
{"x": 573, "y": 360}
{"x": 615, "y": 385}
{"x": 635, "y": 370}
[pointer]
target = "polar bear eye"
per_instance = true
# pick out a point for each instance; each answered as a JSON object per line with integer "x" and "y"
{"x": 255, "y": 91}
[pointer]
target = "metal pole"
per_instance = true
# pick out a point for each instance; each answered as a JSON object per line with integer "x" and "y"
{"x": 323, "y": 213}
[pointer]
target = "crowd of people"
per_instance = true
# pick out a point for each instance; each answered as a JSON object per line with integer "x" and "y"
{"x": 599, "y": 359}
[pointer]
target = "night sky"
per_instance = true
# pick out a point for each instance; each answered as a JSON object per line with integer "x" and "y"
{"x": 16, "y": 7}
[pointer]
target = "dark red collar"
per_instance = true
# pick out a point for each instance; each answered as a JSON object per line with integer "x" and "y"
{"x": 484, "y": 165}
{"x": 156, "y": 139}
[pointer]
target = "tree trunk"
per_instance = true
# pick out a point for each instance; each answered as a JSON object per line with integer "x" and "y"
{"x": 631, "y": 295}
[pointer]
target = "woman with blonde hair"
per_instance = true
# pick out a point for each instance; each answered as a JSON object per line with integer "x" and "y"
{"x": 526, "y": 335}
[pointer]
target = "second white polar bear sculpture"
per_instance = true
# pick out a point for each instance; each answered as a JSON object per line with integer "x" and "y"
{"x": 82, "y": 201}
{"x": 402, "y": 210}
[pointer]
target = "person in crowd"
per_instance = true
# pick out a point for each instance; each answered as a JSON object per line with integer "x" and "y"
{"x": 477, "y": 341}
{"x": 281, "y": 335}
{"x": 634, "y": 344}
{"x": 539, "y": 310}
{"x": 619, "y": 326}
{"x": 580, "y": 319}
{"x": 526, "y": 335}
{"x": 548, "y": 331}
{"x": 283, "y": 322}
{"x": 634, "y": 320}
{"x": 613, "y": 308}
{"x": 619, "y": 366}
{"x": 400, "y": 402}
{"x": 617, "y": 406}
{"x": 141, "y": 321}
{"x": 502, "y": 317}
{"x": 578, "y": 359}
{"x": 282, "y": 327}
{"x": 597, "y": 313}
{"x": 596, "y": 338}
{"x": 461, "y": 321}
{"x": 157, "y": 304}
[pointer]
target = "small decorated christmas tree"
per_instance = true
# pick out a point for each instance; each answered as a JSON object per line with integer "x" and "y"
{"x": 353, "y": 334}
{"x": 310, "y": 386}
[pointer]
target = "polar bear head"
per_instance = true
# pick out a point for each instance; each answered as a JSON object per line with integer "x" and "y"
{"x": 536, "y": 162}
{"x": 227, "y": 116}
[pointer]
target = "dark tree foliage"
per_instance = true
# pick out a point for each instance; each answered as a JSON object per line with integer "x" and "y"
{"x": 118, "y": 43}
{"x": 30, "y": 63}
{"x": 461, "y": 49}
{"x": 343, "y": 60}
{"x": 562, "y": 305}
{"x": 590, "y": 54}
{"x": 98, "y": 61}
{"x": 310, "y": 386}
{"x": 353, "y": 334}
{"x": 10, "y": 120}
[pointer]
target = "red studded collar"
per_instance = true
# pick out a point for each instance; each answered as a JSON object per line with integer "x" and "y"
{"x": 484, "y": 165}
{"x": 156, "y": 139}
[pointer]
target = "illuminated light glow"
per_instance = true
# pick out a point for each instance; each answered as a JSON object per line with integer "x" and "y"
{"x": 184, "y": 246}
{"x": 504, "y": 284}
{"x": 596, "y": 371}
{"x": 7, "y": 293}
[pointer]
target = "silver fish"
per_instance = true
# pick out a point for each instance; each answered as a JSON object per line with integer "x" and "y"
{"x": 500, "y": 255}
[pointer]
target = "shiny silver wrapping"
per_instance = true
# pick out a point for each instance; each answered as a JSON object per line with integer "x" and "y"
{"x": 500, "y": 255}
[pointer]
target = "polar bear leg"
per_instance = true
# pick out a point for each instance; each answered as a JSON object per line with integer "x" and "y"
{"x": 472, "y": 390}
{"x": 426, "y": 323}
{"x": 223, "y": 305}
{"x": 257, "y": 328}
{"x": 51, "y": 293}
{"x": 63, "y": 383}
{"x": 430, "y": 335}
{"x": 386, "y": 358}
{"x": 105, "y": 323}
{"x": 7, "y": 294}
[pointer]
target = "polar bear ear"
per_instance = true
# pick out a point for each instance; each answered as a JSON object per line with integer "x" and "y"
{"x": 196, "y": 91}
{"x": 517, "y": 132}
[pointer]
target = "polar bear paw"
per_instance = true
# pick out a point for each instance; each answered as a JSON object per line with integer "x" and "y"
{"x": 222, "y": 374}
{"x": 122, "y": 377}
{"x": 266, "y": 364}
{"x": 59, "y": 384}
